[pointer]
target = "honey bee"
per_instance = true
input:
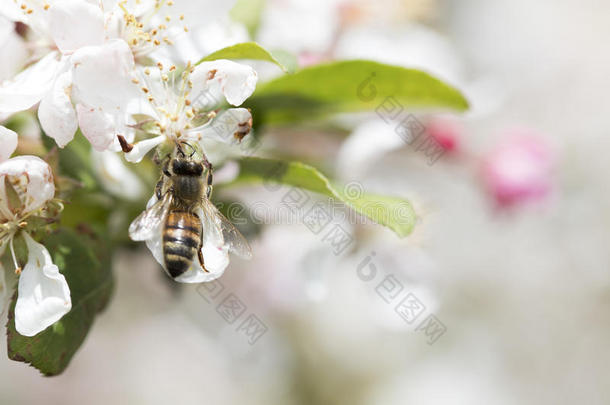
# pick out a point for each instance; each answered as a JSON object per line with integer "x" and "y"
{"x": 185, "y": 214}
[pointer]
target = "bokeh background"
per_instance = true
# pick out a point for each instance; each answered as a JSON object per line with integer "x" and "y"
{"x": 510, "y": 253}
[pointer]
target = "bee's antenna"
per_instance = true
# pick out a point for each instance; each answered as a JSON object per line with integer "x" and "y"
{"x": 179, "y": 147}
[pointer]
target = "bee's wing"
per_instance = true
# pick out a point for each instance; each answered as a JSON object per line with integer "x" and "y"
{"x": 144, "y": 226}
{"x": 233, "y": 239}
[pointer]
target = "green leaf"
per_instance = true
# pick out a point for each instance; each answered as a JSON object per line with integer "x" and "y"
{"x": 349, "y": 86}
{"x": 395, "y": 213}
{"x": 86, "y": 266}
{"x": 252, "y": 50}
{"x": 248, "y": 12}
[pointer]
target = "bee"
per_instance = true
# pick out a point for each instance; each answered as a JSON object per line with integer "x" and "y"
{"x": 185, "y": 214}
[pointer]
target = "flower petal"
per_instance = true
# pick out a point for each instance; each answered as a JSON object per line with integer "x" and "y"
{"x": 212, "y": 80}
{"x": 43, "y": 293}
{"x": 32, "y": 179}
{"x": 216, "y": 261}
{"x": 29, "y": 86}
{"x": 13, "y": 50}
{"x": 229, "y": 127}
{"x": 116, "y": 177}
{"x": 56, "y": 113}
{"x": 97, "y": 126}
{"x": 75, "y": 23}
{"x": 102, "y": 76}
{"x": 8, "y": 143}
{"x": 141, "y": 148}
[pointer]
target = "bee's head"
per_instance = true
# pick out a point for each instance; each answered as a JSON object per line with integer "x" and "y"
{"x": 185, "y": 162}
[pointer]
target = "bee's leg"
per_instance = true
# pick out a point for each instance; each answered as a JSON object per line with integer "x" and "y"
{"x": 209, "y": 176}
{"x": 201, "y": 261}
{"x": 166, "y": 168}
{"x": 209, "y": 182}
{"x": 159, "y": 189}
{"x": 200, "y": 254}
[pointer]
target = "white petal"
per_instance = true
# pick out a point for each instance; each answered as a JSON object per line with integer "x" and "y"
{"x": 29, "y": 86}
{"x": 102, "y": 76}
{"x": 116, "y": 176}
{"x": 75, "y": 23}
{"x": 96, "y": 126}
{"x": 43, "y": 293}
{"x": 8, "y": 143}
{"x": 13, "y": 50}
{"x": 32, "y": 179}
{"x": 226, "y": 125}
{"x": 141, "y": 148}
{"x": 56, "y": 113}
{"x": 212, "y": 80}
{"x": 216, "y": 261}
{"x": 37, "y": 20}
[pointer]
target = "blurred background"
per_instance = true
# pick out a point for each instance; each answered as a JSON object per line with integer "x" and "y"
{"x": 502, "y": 293}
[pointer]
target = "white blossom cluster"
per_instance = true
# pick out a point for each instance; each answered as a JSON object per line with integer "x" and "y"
{"x": 101, "y": 66}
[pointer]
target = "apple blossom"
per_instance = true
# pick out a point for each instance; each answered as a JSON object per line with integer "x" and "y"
{"x": 26, "y": 188}
{"x": 184, "y": 109}
{"x": 518, "y": 170}
{"x": 85, "y": 56}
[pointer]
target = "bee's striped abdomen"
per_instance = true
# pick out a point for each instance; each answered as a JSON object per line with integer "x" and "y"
{"x": 181, "y": 240}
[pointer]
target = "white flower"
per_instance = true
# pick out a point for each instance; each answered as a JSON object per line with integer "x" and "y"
{"x": 85, "y": 53}
{"x": 75, "y": 58}
{"x": 182, "y": 109}
{"x": 26, "y": 185}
